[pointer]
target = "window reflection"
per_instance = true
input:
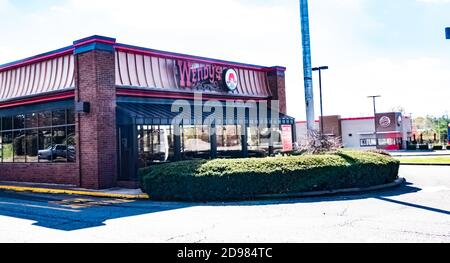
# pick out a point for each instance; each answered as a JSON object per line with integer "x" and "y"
{"x": 31, "y": 141}
{"x": 59, "y": 144}
{"x": 229, "y": 140}
{"x": 259, "y": 140}
{"x": 195, "y": 142}
{"x": 7, "y": 123}
{"x": 19, "y": 146}
{"x": 71, "y": 144}
{"x": 47, "y": 136}
{"x": 155, "y": 144}
{"x": 7, "y": 147}
{"x": 19, "y": 121}
{"x": 45, "y": 152}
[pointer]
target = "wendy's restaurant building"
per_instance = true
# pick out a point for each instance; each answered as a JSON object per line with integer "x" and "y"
{"x": 93, "y": 113}
{"x": 392, "y": 130}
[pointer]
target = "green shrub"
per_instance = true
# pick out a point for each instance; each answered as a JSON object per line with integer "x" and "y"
{"x": 411, "y": 147}
{"x": 437, "y": 147}
{"x": 423, "y": 147}
{"x": 231, "y": 179}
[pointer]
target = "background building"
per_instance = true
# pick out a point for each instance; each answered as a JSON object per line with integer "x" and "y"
{"x": 393, "y": 130}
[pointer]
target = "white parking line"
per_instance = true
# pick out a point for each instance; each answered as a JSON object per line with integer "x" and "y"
{"x": 40, "y": 206}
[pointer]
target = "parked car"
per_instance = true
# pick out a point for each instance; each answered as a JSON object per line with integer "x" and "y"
{"x": 57, "y": 150}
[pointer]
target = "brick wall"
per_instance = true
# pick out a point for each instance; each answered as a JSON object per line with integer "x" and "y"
{"x": 64, "y": 173}
{"x": 277, "y": 87}
{"x": 95, "y": 71}
{"x": 332, "y": 125}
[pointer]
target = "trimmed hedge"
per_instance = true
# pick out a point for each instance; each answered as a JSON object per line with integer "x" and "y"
{"x": 424, "y": 147}
{"x": 437, "y": 147}
{"x": 234, "y": 179}
{"x": 411, "y": 147}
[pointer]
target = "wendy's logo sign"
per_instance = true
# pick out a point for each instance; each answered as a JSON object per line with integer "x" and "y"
{"x": 205, "y": 77}
{"x": 385, "y": 121}
{"x": 231, "y": 79}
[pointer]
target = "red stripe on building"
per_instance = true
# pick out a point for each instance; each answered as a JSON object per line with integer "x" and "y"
{"x": 38, "y": 99}
{"x": 178, "y": 95}
{"x": 358, "y": 119}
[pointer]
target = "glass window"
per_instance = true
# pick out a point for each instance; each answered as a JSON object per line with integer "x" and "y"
{"x": 45, "y": 152}
{"x": 229, "y": 138}
{"x": 196, "y": 142}
{"x": 368, "y": 142}
{"x": 255, "y": 149}
{"x": 59, "y": 148}
{"x": 19, "y": 146}
{"x": 7, "y": 147}
{"x": 19, "y": 121}
{"x": 31, "y": 141}
{"x": 155, "y": 144}
{"x": 70, "y": 116}
{"x": 38, "y": 137}
{"x": 31, "y": 120}
{"x": 277, "y": 140}
{"x": 71, "y": 144}
{"x": 45, "y": 119}
{"x": 7, "y": 123}
{"x": 1, "y": 147}
{"x": 59, "y": 117}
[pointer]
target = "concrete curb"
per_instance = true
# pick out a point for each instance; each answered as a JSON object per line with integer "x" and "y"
{"x": 71, "y": 192}
{"x": 397, "y": 182}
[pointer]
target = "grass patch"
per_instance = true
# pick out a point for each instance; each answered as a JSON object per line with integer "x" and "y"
{"x": 425, "y": 160}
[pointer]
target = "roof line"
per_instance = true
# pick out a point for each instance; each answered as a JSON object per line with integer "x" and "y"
{"x": 167, "y": 54}
{"x": 37, "y": 58}
{"x": 130, "y": 48}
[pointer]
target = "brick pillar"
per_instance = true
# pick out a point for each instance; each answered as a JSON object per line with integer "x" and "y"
{"x": 277, "y": 86}
{"x": 95, "y": 84}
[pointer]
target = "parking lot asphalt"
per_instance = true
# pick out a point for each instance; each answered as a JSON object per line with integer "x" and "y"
{"x": 418, "y": 211}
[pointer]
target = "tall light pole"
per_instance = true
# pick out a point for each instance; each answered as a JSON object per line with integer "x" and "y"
{"x": 320, "y": 90}
{"x": 307, "y": 72}
{"x": 375, "y": 117}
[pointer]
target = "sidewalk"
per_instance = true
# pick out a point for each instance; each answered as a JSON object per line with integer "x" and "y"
{"x": 405, "y": 153}
{"x": 72, "y": 190}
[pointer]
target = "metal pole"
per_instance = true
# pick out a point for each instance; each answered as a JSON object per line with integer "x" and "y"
{"x": 375, "y": 119}
{"x": 375, "y": 116}
{"x": 307, "y": 71}
{"x": 321, "y": 105}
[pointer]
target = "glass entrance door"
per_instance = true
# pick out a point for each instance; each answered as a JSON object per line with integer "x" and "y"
{"x": 126, "y": 157}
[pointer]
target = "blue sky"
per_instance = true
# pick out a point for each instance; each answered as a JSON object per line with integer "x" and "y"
{"x": 393, "y": 48}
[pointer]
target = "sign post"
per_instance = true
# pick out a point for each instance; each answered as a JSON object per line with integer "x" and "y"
{"x": 286, "y": 137}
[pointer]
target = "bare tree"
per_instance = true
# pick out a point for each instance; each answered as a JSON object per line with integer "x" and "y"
{"x": 318, "y": 143}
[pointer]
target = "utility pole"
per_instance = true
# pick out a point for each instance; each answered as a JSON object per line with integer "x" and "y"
{"x": 307, "y": 71}
{"x": 375, "y": 118}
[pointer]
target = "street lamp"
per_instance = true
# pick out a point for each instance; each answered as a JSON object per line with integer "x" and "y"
{"x": 320, "y": 89}
{"x": 375, "y": 117}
